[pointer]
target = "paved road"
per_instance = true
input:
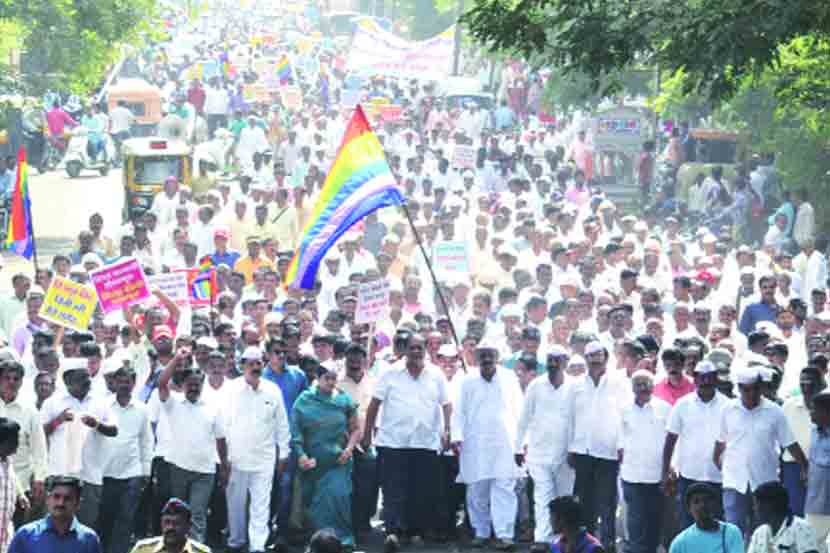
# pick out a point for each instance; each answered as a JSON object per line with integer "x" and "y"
{"x": 61, "y": 208}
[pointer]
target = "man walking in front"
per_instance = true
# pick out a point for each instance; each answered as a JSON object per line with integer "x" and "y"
{"x": 256, "y": 429}
{"x": 411, "y": 433}
{"x": 483, "y": 431}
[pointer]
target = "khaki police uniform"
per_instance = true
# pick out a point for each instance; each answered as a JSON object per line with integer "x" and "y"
{"x": 156, "y": 545}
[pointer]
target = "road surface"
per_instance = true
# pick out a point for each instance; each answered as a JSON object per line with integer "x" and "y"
{"x": 60, "y": 210}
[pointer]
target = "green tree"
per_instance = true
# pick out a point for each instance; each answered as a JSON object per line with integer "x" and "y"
{"x": 576, "y": 91}
{"x": 77, "y": 39}
{"x": 714, "y": 43}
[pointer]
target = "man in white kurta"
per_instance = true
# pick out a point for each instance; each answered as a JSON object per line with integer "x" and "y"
{"x": 483, "y": 433}
{"x": 544, "y": 432}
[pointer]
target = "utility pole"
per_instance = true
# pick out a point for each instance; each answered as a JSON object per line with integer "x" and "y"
{"x": 456, "y": 58}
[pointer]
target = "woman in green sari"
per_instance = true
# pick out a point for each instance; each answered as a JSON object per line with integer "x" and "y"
{"x": 325, "y": 430}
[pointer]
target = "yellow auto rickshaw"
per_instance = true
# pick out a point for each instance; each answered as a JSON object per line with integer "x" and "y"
{"x": 712, "y": 147}
{"x": 142, "y": 99}
{"x": 147, "y": 164}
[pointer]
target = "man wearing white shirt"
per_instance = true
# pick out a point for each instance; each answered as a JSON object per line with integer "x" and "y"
{"x": 256, "y": 429}
{"x": 216, "y": 106}
{"x": 593, "y": 449}
{"x": 483, "y": 430}
{"x": 811, "y": 265}
{"x": 77, "y": 425}
{"x": 30, "y": 459}
{"x": 753, "y": 430}
{"x": 694, "y": 427}
{"x": 642, "y": 433}
{"x": 544, "y": 432}
{"x": 200, "y": 436}
{"x": 128, "y": 459}
{"x": 414, "y": 427}
{"x": 165, "y": 203}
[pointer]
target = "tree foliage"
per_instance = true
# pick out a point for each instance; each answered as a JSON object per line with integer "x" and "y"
{"x": 714, "y": 43}
{"x": 576, "y": 92}
{"x": 75, "y": 40}
{"x": 783, "y": 110}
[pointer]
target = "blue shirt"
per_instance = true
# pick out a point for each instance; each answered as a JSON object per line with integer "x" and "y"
{"x": 40, "y": 537}
{"x": 756, "y": 313}
{"x": 291, "y": 381}
{"x": 229, "y": 258}
{"x": 727, "y": 539}
{"x": 504, "y": 118}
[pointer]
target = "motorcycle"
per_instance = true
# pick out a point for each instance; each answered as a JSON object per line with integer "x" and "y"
{"x": 77, "y": 156}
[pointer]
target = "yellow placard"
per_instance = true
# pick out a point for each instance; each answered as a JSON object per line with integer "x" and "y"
{"x": 69, "y": 304}
{"x": 195, "y": 72}
{"x": 303, "y": 45}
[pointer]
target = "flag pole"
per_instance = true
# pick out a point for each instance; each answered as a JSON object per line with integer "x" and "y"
{"x": 434, "y": 281}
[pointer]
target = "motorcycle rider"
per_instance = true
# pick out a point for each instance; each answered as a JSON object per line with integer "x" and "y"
{"x": 121, "y": 122}
{"x": 57, "y": 120}
{"x": 96, "y": 124}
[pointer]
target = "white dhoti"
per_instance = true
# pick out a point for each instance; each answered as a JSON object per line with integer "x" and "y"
{"x": 493, "y": 502}
{"x": 240, "y": 484}
{"x": 821, "y": 526}
{"x": 549, "y": 482}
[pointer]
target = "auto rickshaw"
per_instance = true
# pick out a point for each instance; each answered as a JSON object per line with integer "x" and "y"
{"x": 147, "y": 164}
{"x": 712, "y": 147}
{"x": 143, "y": 100}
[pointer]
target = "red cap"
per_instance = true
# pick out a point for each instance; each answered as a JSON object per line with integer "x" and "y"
{"x": 221, "y": 233}
{"x": 706, "y": 277}
{"x": 161, "y": 331}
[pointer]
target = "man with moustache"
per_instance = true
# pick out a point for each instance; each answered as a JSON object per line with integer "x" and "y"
{"x": 693, "y": 428}
{"x": 544, "y": 429}
{"x": 76, "y": 425}
{"x": 592, "y": 452}
{"x": 675, "y": 385}
{"x": 175, "y": 527}
{"x": 30, "y": 460}
{"x": 192, "y": 454}
{"x": 408, "y": 439}
{"x": 258, "y": 433}
{"x": 483, "y": 429}
{"x": 753, "y": 429}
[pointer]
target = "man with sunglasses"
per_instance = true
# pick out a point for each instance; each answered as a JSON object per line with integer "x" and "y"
{"x": 258, "y": 433}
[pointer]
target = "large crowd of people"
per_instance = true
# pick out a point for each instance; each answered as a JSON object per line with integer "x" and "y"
{"x": 599, "y": 378}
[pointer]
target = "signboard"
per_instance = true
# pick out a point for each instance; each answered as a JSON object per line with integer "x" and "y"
{"x": 391, "y": 112}
{"x": 173, "y": 285}
{"x": 69, "y": 304}
{"x": 120, "y": 285}
{"x": 377, "y": 51}
{"x": 292, "y": 97}
{"x": 256, "y": 92}
{"x": 372, "y": 301}
{"x": 464, "y": 157}
{"x": 200, "y": 288}
{"x": 195, "y": 72}
{"x": 450, "y": 258}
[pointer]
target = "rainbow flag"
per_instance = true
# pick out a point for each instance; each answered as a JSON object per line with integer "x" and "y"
{"x": 283, "y": 70}
{"x": 205, "y": 264}
{"x": 19, "y": 236}
{"x": 203, "y": 286}
{"x": 358, "y": 183}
